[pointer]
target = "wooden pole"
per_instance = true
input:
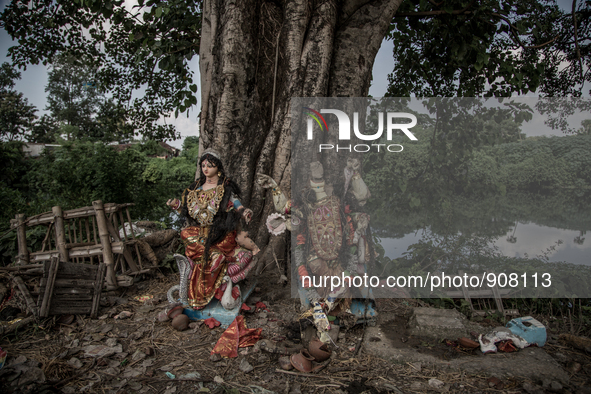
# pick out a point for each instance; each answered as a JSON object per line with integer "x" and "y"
{"x": 98, "y": 285}
{"x": 105, "y": 237}
{"x": 21, "y": 234}
{"x": 27, "y": 296}
{"x": 46, "y": 303}
{"x": 88, "y": 237}
{"x": 17, "y": 325}
{"x": 81, "y": 234}
{"x": 20, "y": 268}
{"x": 137, "y": 251}
{"x": 94, "y": 230}
{"x": 123, "y": 225}
{"x": 60, "y": 233}
{"x": 46, "y": 239}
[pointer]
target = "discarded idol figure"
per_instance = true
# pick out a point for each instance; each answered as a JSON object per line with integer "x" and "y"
{"x": 217, "y": 255}
{"x": 330, "y": 240}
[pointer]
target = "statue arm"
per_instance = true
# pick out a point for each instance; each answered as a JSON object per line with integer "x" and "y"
{"x": 281, "y": 203}
{"x": 237, "y": 205}
{"x": 175, "y": 204}
{"x": 358, "y": 186}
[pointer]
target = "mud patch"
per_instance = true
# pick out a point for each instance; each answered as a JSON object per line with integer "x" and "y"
{"x": 396, "y": 333}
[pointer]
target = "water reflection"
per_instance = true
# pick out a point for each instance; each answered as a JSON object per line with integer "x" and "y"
{"x": 527, "y": 241}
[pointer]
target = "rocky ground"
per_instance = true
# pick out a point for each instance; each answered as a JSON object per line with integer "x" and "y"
{"x": 139, "y": 354}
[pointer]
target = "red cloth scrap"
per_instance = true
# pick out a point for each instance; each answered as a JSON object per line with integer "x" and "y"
{"x": 236, "y": 336}
{"x": 211, "y": 322}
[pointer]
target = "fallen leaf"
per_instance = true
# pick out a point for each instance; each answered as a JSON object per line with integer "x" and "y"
{"x": 123, "y": 315}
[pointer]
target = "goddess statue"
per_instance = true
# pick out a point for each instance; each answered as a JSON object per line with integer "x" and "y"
{"x": 330, "y": 233}
{"x": 217, "y": 254}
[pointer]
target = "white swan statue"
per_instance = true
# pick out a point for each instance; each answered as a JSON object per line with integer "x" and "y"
{"x": 228, "y": 301}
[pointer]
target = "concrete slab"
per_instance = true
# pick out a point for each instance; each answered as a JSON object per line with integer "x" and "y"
{"x": 437, "y": 323}
{"x": 531, "y": 363}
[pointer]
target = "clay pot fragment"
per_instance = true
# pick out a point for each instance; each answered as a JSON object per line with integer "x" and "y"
{"x": 177, "y": 310}
{"x": 302, "y": 361}
{"x": 65, "y": 319}
{"x": 180, "y": 322}
{"x": 468, "y": 343}
{"x": 319, "y": 350}
{"x": 285, "y": 363}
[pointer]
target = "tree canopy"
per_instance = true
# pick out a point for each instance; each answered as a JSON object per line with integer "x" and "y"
{"x": 490, "y": 48}
{"x": 446, "y": 48}
{"x": 16, "y": 114}
{"x": 140, "y": 55}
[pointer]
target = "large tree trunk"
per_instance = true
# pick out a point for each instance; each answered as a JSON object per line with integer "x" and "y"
{"x": 256, "y": 55}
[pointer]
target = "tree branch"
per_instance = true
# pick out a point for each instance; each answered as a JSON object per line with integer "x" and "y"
{"x": 431, "y": 13}
{"x": 577, "y": 39}
{"x": 515, "y": 33}
{"x": 463, "y": 11}
{"x": 541, "y": 45}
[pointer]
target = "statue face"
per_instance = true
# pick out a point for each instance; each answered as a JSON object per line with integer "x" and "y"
{"x": 316, "y": 170}
{"x": 209, "y": 169}
{"x": 353, "y": 163}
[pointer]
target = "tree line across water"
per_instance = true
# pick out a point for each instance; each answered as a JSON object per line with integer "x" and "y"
{"x": 461, "y": 209}
{"x": 413, "y": 181}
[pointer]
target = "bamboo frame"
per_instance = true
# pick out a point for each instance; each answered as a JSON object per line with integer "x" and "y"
{"x": 60, "y": 236}
{"x": 105, "y": 242}
{"x": 88, "y": 235}
{"x": 21, "y": 234}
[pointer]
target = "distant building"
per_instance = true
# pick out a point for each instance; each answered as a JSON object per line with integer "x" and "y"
{"x": 168, "y": 151}
{"x": 172, "y": 151}
{"x": 35, "y": 150}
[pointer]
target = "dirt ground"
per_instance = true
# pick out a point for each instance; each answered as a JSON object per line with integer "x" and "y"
{"x": 140, "y": 354}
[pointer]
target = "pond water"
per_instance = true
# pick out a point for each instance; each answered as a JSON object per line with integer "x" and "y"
{"x": 523, "y": 240}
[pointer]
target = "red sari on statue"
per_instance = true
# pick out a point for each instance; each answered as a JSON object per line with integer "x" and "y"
{"x": 204, "y": 282}
{"x": 226, "y": 257}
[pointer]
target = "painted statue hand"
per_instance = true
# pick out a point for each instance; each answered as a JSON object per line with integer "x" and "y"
{"x": 247, "y": 215}
{"x": 265, "y": 181}
{"x": 174, "y": 203}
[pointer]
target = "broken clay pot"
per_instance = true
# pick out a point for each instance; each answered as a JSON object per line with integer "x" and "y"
{"x": 180, "y": 322}
{"x": 302, "y": 361}
{"x": 174, "y": 312}
{"x": 285, "y": 363}
{"x": 319, "y": 350}
{"x": 468, "y": 343}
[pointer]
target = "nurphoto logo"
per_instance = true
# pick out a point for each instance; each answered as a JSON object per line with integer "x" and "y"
{"x": 345, "y": 129}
